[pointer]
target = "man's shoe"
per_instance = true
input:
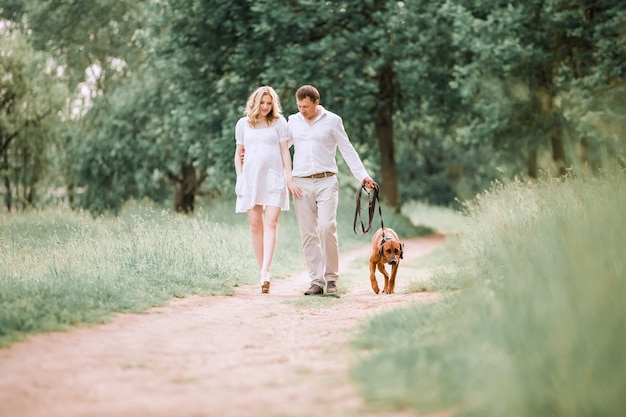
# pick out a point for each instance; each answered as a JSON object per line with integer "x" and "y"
{"x": 314, "y": 290}
{"x": 331, "y": 287}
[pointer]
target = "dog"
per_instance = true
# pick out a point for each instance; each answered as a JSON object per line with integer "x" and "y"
{"x": 386, "y": 249}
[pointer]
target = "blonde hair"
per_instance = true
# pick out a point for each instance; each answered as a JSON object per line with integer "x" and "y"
{"x": 254, "y": 104}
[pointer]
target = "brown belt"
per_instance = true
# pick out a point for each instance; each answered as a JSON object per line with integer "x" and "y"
{"x": 320, "y": 175}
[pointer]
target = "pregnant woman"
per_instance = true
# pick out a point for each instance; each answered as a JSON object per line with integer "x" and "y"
{"x": 263, "y": 178}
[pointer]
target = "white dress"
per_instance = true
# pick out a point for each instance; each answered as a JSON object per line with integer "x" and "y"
{"x": 262, "y": 181}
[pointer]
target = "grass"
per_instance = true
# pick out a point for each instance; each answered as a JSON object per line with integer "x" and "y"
{"x": 316, "y": 302}
{"x": 536, "y": 325}
{"x": 441, "y": 219}
{"x": 60, "y": 269}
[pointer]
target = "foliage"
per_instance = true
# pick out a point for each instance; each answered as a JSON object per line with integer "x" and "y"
{"x": 539, "y": 327}
{"x": 93, "y": 39}
{"x": 440, "y": 98}
{"x": 528, "y": 63}
{"x": 121, "y": 156}
{"x": 31, "y": 96}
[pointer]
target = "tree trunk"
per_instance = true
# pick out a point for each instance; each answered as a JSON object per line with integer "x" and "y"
{"x": 554, "y": 120}
{"x": 533, "y": 169}
{"x": 593, "y": 163}
{"x": 7, "y": 183}
{"x": 185, "y": 194}
{"x": 30, "y": 180}
{"x": 384, "y": 132}
{"x": 70, "y": 194}
{"x": 558, "y": 150}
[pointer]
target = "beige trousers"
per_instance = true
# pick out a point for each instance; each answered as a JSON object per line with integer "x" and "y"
{"x": 316, "y": 212}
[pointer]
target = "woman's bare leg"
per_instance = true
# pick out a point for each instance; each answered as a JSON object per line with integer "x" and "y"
{"x": 255, "y": 219}
{"x": 270, "y": 226}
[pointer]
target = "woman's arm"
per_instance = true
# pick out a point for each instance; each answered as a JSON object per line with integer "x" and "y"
{"x": 239, "y": 152}
{"x": 286, "y": 156}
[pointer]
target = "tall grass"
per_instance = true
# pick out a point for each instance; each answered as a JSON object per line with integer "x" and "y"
{"x": 60, "y": 268}
{"x": 440, "y": 219}
{"x": 539, "y": 329}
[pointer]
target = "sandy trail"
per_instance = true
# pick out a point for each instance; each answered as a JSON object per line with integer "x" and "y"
{"x": 245, "y": 355}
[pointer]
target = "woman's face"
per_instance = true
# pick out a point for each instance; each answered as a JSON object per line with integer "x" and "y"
{"x": 266, "y": 105}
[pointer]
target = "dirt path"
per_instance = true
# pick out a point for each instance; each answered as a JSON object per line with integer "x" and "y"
{"x": 244, "y": 356}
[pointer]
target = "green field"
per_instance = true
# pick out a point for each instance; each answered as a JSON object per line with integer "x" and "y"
{"x": 532, "y": 321}
{"x": 61, "y": 268}
{"x": 534, "y": 318}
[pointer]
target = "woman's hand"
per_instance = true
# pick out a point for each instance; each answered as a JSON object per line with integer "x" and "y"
{"x": 294, "y": 189}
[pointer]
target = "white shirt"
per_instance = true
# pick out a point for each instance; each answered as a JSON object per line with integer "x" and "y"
{"x": 315, "y": 146}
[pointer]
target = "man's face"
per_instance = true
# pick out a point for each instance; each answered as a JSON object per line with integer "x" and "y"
{"x": 307, "y": 108}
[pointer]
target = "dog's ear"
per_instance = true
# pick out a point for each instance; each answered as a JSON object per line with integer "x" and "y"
{"x": 401, "y": 250}
{"x": 380, "y": 251}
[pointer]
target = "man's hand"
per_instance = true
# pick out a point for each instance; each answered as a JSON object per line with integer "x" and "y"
{"x": 369, "y": 183}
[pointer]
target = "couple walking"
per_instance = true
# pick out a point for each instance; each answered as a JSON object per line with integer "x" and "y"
{"x": 266, "y": 177}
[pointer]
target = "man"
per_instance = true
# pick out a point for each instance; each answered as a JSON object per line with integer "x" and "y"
{"x": 316, "y": 134}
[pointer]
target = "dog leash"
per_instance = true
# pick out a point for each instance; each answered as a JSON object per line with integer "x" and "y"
{"x": 372, "y": 197}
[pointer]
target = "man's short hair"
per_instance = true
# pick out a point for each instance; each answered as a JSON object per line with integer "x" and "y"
{"x": 307, "y": 91}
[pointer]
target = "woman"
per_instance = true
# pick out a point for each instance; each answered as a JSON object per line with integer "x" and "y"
{"x": 262, "y": 180}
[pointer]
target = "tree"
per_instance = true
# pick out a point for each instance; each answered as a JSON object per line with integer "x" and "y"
{"x": 191, "y": 42}
{"x": 31, "y": 97}
{"x": 440, "y": 97}
{"x": 171, "y": 120}
{"x": 118, "y": 157}
{"x": 525, "y": 59}
{"x": 94, "y": 46}
{"x": 347, "y": 49}
{"x": 92, "y": 39}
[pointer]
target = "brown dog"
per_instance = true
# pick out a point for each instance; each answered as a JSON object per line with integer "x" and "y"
{"x": 386, "y": 249}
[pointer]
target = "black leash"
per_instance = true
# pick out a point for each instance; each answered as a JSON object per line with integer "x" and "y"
{"x": 372, "y": 197}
